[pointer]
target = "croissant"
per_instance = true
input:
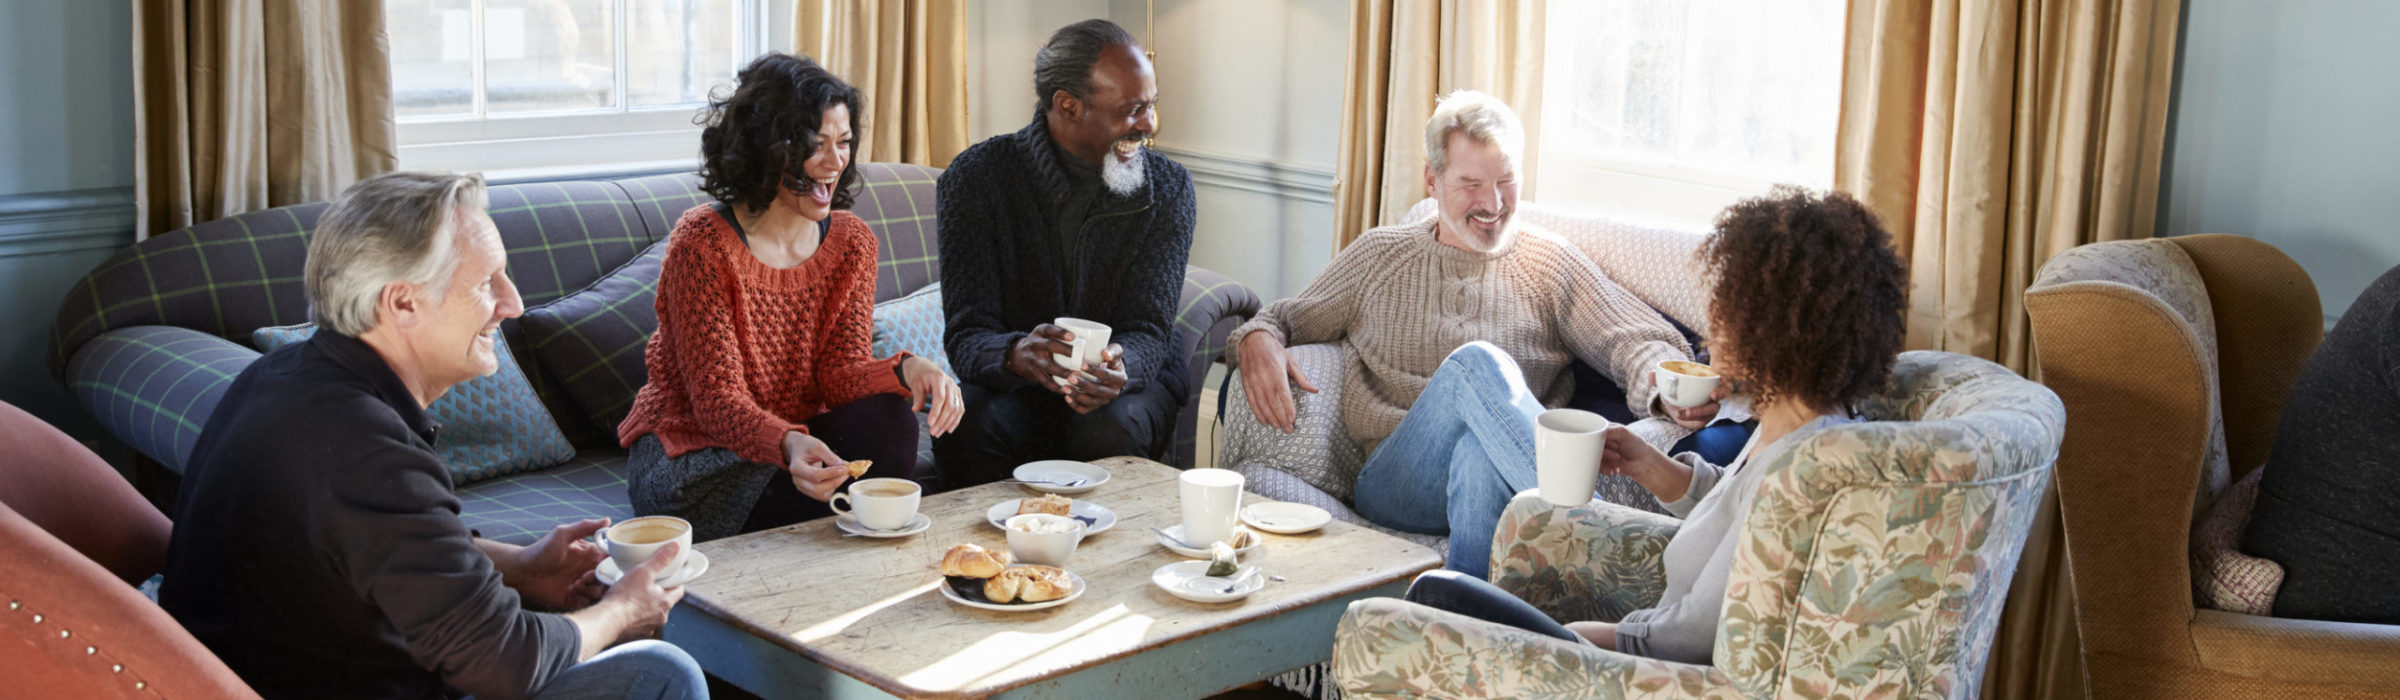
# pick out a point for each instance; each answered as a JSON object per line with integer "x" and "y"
{"x": 1043, "y": 583}
{"x": 1004, "y": 587}
{"x": 1051, "y": 503}
{"x": 973, "y": 561}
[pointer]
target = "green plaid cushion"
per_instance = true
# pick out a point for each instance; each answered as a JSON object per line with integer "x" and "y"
{"x": 522, "y": 508}
{"x": 913, "y": 323}
{"x": 592, "y": 341}
{"x": 491, "y": 426}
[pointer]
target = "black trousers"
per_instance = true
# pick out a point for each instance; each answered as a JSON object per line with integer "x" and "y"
{"x": 878, "y": 427}
{"x": 1003, "y": 429}
{"x": 1443, "y": 589}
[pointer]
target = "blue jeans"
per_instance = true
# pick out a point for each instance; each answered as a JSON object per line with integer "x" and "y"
{"x": 645, "y": 670}
{"x": 1466, "y": 447}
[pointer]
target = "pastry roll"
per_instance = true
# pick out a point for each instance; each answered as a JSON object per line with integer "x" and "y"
{"x": 1004, "y": 587}
{"x": 1043, "y": 583}
{"x": 973, "y": 561}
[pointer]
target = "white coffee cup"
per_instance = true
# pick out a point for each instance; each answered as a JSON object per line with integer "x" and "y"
{"x": 1684, "y": 383}
{"x": 1091, "y": 341}
{"x": 1211, "y": 497}
{"x": 1566, "y": 454}
{"x": 882, "y": 504}
{"x": 1052, "y": 546}
{"x": 632, "y": 542}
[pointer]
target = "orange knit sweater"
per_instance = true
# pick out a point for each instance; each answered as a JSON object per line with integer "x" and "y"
{"x": 745, "y": 352}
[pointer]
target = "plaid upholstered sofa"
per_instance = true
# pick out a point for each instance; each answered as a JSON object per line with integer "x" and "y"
{"x": 149, "y": 340}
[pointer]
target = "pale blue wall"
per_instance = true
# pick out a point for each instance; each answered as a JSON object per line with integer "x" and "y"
{"x": 66, "y": 174}
{"x": 2287, "y": 129}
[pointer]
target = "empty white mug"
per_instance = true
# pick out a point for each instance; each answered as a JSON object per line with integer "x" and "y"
{"x": 1091, "y": 341}
{"x": 1211, "y": 497}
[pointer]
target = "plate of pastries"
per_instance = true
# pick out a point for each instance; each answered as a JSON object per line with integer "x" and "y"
{"x": 1096, "y": 518}
{"x": 981, "y": 578}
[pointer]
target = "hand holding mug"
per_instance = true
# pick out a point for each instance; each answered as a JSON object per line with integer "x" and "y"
{"x": 1031, "y": 357}
{"x": 1100, "y": 383}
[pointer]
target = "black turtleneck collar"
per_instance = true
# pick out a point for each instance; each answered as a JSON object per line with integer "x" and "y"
{"x": 361, "y": 359}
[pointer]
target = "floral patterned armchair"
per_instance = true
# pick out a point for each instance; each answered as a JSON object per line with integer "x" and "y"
{"x": 1874, "y": 563}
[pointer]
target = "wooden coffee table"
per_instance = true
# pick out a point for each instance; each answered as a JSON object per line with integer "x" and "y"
{"x": 802, "y": 611}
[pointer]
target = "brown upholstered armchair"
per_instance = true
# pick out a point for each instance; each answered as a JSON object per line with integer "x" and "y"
{"x": 2152, "y": 345}
{"x": 75, "y": 541}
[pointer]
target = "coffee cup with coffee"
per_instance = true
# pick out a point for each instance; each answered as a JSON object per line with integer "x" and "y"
{"x": 881, "y": 504}
{"x": 632, "y": 542}
{"x": 1091, "y": 341}
{"x": 1683, "y": 383}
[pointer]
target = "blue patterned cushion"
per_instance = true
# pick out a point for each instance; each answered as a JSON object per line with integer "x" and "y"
{"x": 593, "y": 342}
{"x": 491, "y": 426}
{"x": 913, "y": 323}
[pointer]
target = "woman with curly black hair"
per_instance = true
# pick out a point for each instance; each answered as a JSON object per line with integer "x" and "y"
{"x": 761, "y": 382}
{"x": 1806, "y": 319}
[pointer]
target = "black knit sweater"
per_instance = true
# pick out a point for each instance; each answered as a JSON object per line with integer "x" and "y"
{"x": 1005, "y": 269}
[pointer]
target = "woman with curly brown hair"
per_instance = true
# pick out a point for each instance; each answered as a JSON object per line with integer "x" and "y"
{"x": 760, "y": 376}
{"x": 1806, "y": 319}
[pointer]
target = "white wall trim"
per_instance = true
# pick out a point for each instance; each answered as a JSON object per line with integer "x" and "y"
{"x": 42, "y": 223}
{"x": 1300, "y": 181}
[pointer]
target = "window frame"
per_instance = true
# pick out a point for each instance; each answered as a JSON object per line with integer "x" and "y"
{"x": 554, "y": 145}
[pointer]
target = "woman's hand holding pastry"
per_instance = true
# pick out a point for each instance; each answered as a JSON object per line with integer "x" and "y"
{"x": 815, "y": 469}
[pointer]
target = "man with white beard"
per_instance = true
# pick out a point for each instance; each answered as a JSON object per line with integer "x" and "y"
{"x": 1069, "y": 217}
{"x": 1509, "y": 305}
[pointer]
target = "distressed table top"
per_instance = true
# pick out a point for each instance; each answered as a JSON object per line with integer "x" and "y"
{"x": 868, "y": 607}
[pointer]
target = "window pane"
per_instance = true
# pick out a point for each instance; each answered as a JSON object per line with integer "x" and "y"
{"x": 548, "y": 55}
{"x": 1746, "y": 88}
{"x": 678, "y": 49}
{"x": 433, "y": 71}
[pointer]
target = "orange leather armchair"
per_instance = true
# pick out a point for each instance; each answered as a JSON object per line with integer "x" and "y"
{"x": 75, "y": 541}
{"x": 2123, "y": 333}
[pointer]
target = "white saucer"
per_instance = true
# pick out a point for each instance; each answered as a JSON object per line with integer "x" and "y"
{"x": 694, "y": 565}
{"x": 1186, "y": 580}
{"x": 1176, "y": 531}
{"x": 850, "y": 524}
{"x": 1285, "y": 518}
{"x": 1061, "y": 470}
{"x": 1097, "y": 518}
{"x": 944, "y": 587}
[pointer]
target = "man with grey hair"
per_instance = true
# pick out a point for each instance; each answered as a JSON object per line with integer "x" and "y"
{"x": 1471, "y": 287}
{"x": 318, "y": 549}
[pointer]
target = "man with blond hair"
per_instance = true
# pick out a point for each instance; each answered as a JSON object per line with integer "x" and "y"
{"x": 1510, "y": 304}
{"x": 317, "y": 546}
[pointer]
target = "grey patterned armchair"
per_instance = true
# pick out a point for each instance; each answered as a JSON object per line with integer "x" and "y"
{"x": 1874, "y": 563}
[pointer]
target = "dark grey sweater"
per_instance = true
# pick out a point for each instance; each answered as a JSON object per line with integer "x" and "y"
{"x": 318, "y": 550}
{"x": 1007, "y": 268}
{"x": 2329, "y": 504}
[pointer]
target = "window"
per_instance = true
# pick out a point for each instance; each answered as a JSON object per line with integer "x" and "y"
{"x": 524, "y": 89}
{"x": 1669, "y": 110}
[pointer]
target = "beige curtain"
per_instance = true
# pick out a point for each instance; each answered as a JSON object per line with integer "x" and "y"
{"x": 909, "y": 57}
{"x": 241, "y": 105}
{"x": 1991, "y": 135}
{"x": 1403, "y": 55}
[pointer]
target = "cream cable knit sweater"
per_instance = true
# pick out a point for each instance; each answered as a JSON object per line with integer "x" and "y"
{"x": 1400, "y": 301}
